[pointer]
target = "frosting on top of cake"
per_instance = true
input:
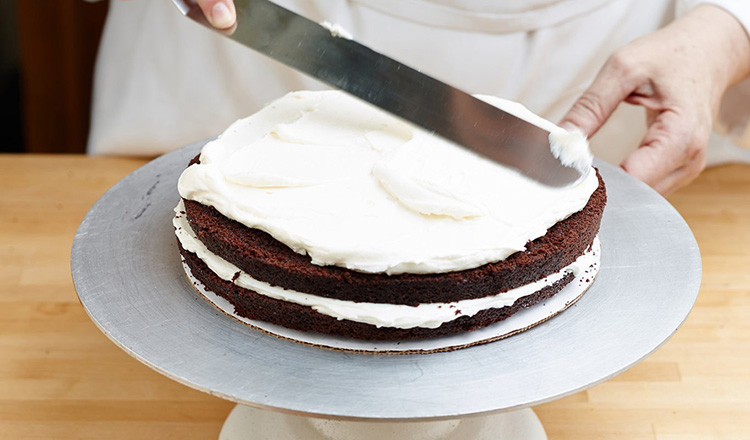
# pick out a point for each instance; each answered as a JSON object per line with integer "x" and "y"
{"x": 353, "y": 186}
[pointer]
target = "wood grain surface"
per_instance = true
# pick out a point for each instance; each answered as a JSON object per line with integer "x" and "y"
{"x": 60, "y": 378}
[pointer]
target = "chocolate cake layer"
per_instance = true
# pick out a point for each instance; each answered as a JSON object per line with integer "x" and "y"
{"x": 266, "y": 259}
{"x": 252, "y": 305}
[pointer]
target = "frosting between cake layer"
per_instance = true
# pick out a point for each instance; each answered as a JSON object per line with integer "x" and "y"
{"x": 352, "y": 186}
{"x": 429, "y": 315}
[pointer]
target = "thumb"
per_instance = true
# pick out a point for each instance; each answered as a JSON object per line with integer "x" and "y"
{"x": 220, "y": 13}
{"x": 616, "y": 81}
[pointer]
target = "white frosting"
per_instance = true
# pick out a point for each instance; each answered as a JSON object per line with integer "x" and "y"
{"x": 571, "y": 147}
{"x": 429, "y": 315}
{"x": 352, "y": 186}
{"x": 337, "y": 30}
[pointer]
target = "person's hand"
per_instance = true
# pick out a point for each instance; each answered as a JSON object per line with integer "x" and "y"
{"x": 220, "y": 13}
{"x": 679, "y": 75}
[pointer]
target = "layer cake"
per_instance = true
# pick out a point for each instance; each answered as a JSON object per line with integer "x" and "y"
{"x": 320, "y": 213}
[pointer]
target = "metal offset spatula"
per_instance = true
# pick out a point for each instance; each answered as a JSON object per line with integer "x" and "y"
{"x": 398, "y": 89}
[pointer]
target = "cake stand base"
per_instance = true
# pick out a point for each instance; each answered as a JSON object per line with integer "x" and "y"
{"x": 247, "y": 423}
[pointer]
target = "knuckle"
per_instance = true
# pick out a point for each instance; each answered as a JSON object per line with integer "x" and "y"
{"x": 692, "y": 150}
{"x": 590, "y": 103}
{"x": 622, "y": 62}
{"x": 695, "y": 167}
{"x": 662, "y": 142}
{"x": 698, "y": 142}
{"x": 698, "y": 158}
{"x": 694, "y": 160}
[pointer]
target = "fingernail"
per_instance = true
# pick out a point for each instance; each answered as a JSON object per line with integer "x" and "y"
{"x": 569, "y": 126}
{"x": 221, "y": 16}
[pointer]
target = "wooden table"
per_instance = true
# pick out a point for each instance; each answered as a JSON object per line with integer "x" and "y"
{"x": 61, "y": 378}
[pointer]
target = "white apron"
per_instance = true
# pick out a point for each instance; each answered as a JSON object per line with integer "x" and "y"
{"x": 163, "y": 81}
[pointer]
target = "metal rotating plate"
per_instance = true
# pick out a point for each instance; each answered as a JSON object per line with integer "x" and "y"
{"x": 128, "y": 275}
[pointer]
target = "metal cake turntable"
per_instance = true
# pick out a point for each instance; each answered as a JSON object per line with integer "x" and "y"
{"x": 130, "y": 280}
